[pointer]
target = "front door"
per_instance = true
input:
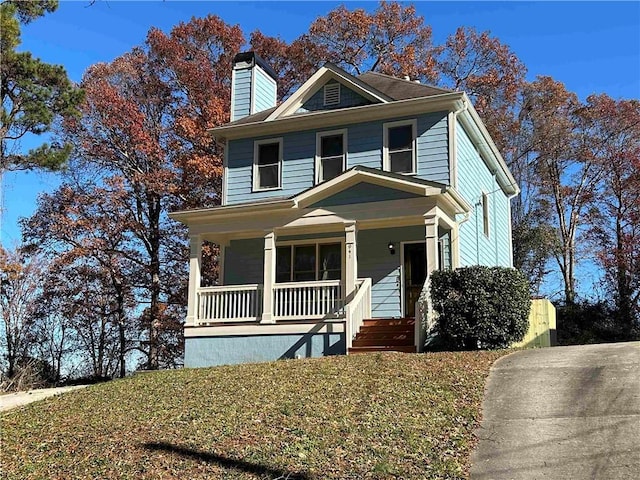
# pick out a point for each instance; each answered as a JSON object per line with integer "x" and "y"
{"x": 415, "y": 274}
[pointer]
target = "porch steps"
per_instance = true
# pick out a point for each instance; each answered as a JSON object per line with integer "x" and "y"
{"x": 385, "y": 335}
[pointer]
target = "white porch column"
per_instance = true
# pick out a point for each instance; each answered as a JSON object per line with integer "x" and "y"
{"x": 223, "y": 243}
{"x": 431, "y": 220}
{"x": 351, "y": 260}
{"x": 269, "y": 277}
{"x": 426, "y": 319}
{"x": 195, "y": 261}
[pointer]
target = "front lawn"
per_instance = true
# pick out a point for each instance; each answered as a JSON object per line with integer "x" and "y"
{"x": 386, "y": 415}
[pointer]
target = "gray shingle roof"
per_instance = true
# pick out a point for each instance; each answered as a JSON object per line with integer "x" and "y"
{"x": 256, "y": 117}
{"x": 400, "y": 89}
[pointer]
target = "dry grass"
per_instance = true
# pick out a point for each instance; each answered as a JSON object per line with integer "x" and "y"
{"x": 365, "y": 416}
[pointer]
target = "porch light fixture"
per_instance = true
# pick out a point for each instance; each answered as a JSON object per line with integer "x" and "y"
{"x": 392, "y": 248}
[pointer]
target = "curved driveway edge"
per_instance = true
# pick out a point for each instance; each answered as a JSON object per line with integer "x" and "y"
{"x": 17, "y": 399}
{"x": 562, "y": 413}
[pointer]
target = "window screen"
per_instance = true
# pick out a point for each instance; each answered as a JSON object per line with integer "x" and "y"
{"x": 401, "y": 149}
{"x": 268, "y": 165}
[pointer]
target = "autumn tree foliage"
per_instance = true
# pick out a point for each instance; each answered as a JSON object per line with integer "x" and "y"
{"x": 565, "y": 177}
{"x": 141, "y": 148}
{"x": 493, "y": 77}
{"x": 19, "y": 287}
{"x": 393, "y": 39}
{"x": 90, "y": 283}
{"x": 612, "y": 140}
{"x": 294, "y": 62}
{"x": 193, "y": 63}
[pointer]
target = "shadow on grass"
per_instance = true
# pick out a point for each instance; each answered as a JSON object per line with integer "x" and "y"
{"x": 249, "y": 467}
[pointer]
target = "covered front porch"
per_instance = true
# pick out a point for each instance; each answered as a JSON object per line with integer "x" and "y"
{"x": 315, "y": 267}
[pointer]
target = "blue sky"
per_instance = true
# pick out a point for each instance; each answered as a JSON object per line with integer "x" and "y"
{"x": 593, "y": 47}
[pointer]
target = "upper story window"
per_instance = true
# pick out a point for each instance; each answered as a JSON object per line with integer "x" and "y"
{"x": 267, "y": 164}
{"x": 485, "y": 213}
{"x": 331, "y": 94}
{"x": 399, "y": 153}
{"x": 331, "y": 156}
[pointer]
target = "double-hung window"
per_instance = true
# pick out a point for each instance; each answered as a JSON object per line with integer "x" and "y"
{"x": 308, "y": 262}
{"x": 400, "y": 149}
{"x": 331, "y": 154}
{"x": 267, "y": 164}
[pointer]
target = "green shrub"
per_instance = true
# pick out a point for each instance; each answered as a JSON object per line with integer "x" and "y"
{"x": 480, "y": 307}
{"x": 587, "y": 322}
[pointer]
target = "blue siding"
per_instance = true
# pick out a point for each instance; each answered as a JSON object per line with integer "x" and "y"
{"x": 297, "y": 169}
{"x": 363, "y": 192}
{"x": 265, "y": 91}
{"x": 364, "y": 147}
{"x": 375, "y": 262}
{"x": 244, "y": 261}
{"x": 241, "y": 106}
{"x": 473, "y": 178}
{"x": 228, "y": 350}
{"x": 348, "y": 98}
{"x": 433, "y": 148}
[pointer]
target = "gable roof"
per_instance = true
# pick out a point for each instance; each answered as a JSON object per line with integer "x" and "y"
{"x": 374, "y": 176}
{"x": 328, "y": 72}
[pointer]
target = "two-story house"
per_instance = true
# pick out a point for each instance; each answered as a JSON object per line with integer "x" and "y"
{"x": 336, "y": 206}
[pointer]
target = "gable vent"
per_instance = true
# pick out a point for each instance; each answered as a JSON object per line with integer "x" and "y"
{"x": 331, "y": 94}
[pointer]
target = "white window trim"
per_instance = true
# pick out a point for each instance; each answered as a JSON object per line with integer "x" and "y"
{"x": 318, "y": 162}
{"x": 386, "y": 162}
{"x": 486, "y": 214}
{"x": 317, "y": 243}
{"x": 256, "y": 145}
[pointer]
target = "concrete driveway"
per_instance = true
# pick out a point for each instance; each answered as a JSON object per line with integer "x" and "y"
{"x": 562, "y": 413}
{"x": 17, "y": 399}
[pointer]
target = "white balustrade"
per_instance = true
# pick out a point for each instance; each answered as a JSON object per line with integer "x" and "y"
{"x": 308, "y": 300}
{"x": 292, "y": 301}
{"x": 357, "y": 310}
{"x": 229, "y": 303}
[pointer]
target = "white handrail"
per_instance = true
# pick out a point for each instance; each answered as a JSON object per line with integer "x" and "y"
{"x": 357, "y": 310}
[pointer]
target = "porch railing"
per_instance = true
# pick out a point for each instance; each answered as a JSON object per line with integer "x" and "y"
{"x": 308, "y": 300}
{"x": 229, "y": 303}
{"x": 357, "y": 310}
{"x": 291, "y": 301}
